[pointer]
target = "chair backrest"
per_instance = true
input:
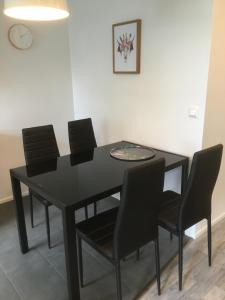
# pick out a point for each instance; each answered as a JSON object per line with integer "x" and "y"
{"x": 196, "y": 201}
{"x": 39, "y": 144}
{"x": 137, "y": 223}
{"x": 81, "y": 136}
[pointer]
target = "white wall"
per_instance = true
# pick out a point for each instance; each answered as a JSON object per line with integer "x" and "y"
{"x": 35, "y": 89}
{"x": 150, "y": 108}
{"x": 214, "y": 130}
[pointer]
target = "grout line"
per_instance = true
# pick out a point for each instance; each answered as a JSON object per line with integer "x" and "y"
{"x": 51, "y": 265}
{"x": 12, "y": 284}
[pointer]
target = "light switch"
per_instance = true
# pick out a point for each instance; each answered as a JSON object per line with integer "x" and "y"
{"x": 193, "y": 111}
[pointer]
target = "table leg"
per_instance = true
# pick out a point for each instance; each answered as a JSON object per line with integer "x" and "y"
{"x": 21, "y": 224}
{"x": 71, "y": 254}
{"x": 184, "y": 177}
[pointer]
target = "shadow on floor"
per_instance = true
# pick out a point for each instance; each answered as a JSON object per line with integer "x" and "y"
{"x": 41, "y": 275}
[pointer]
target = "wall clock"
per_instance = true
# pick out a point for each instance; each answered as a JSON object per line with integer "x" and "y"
{"x": 20, "y": 36}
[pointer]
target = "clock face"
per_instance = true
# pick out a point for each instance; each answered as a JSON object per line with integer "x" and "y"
{"x": 20, "y": 36}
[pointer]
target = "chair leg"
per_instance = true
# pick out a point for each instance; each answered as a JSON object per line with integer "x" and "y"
{"x": 180, "y": 264}
{"x": 48, "y": 226}
{"x": 157, "y": 262}
{"x": 80, "y": 261}
{"x": 31, "y": 209}
{"x": 95, "y": 208}
{"x": 118, "y": 281}
{"x": 209, "y": 241}
{"x": 86, "y": 212}
{"x": 138, "y": 254}
{"x": 171, "y": 236}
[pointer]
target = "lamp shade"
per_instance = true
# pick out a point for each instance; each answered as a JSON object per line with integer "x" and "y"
{"x": 36, "y": 10}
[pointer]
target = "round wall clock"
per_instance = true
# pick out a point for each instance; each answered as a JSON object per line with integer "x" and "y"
{"x": 20, "y": 36}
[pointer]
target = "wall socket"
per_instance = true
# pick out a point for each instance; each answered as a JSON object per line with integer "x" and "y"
{"x": 193, "y": 111}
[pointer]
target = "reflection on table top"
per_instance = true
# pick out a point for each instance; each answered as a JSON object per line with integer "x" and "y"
{"x": 81, "y": 179}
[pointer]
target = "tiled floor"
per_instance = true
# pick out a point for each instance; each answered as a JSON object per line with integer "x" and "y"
{"x": 40, "y": 274}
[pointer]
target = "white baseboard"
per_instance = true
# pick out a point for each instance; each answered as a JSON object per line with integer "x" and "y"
{"x": 190, "y": 232}
{"x": 6, "y": 199}
{"x": 10, "y": 198}
{"x": 203, "y": 229}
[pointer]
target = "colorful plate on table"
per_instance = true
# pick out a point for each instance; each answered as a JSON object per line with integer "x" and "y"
{"x": 132, "y": 153}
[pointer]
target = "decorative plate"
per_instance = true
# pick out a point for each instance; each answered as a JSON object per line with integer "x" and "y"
{"x": 132, "y": 153}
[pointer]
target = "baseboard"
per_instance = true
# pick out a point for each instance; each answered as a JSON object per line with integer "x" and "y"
{"x": 6, "y": 199}
{"x": 10, "y": 198}
{"x": 202, "y": 230}
{"x": 191, "y": 232}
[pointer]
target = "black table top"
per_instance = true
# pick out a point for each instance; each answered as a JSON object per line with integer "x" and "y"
{"x": 74, "y": 181}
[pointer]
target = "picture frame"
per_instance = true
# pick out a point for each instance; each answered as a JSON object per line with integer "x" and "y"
{"x": 127, "y": 47}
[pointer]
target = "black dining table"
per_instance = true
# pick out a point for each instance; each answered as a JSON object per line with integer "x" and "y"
{"x": 73, "y": 181}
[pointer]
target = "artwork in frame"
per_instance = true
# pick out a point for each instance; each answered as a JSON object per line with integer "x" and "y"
{"x": 127, "y": 47}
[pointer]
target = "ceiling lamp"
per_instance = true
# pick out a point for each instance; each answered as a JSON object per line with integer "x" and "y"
{"x": 36, "y": 10}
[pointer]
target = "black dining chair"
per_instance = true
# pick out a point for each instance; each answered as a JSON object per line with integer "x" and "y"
{"x": 82, "y": 139}
{"x": 81, "y": 136}
{"x": 40, "y": 145}
{"x": 179, "y": 212}
{"x": 119, "y": 232}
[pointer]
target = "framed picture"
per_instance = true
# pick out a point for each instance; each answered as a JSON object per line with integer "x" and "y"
{"x": 127, "y": 47}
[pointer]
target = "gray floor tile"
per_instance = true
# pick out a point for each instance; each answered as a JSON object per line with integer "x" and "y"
{"x": 7, "y": 291}
{"x": 41, "y": 274}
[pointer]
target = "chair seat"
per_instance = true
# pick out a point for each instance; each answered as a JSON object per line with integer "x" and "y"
{"x": 169, "y": 210}
{"x": 98, "y": 231}
{"x": 169, "y": 198}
